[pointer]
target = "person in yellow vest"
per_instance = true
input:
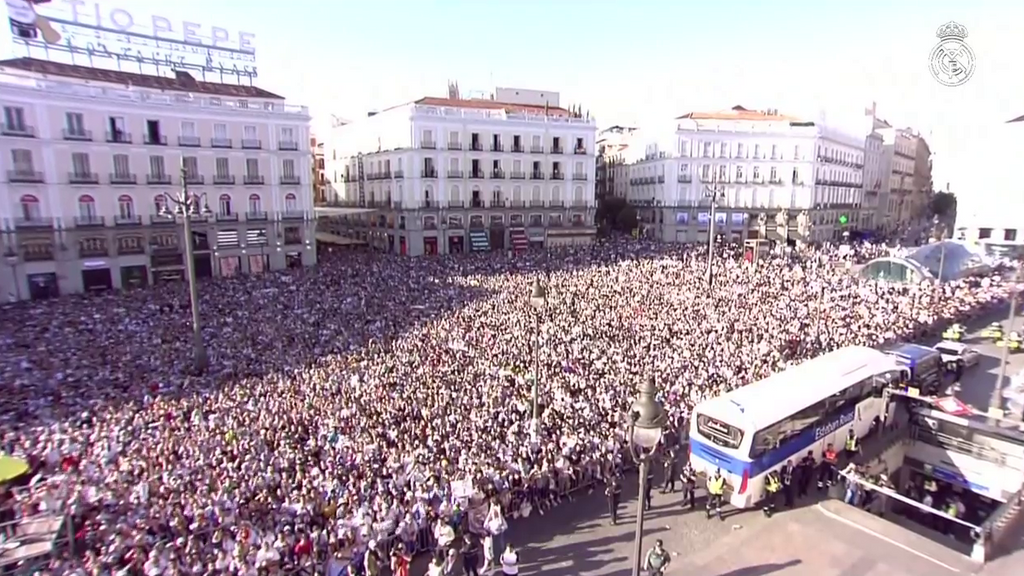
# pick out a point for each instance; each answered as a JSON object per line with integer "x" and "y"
{"x": 716, "y": 489}
{"x": 772, "y": 485}
{"x": 852, "y": 444}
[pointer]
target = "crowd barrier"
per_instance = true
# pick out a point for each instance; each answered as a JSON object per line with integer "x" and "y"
{"x": 473, "y": 518}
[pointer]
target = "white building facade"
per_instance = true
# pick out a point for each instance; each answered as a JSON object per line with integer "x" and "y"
{"x": 90, "y": 156}
{"x": 873, "y": 179}
{"x": 446, "y": 175}
{"x": 757, "y": 163}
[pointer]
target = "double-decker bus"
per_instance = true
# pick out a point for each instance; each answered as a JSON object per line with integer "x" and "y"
{"x": 754, "y": 429}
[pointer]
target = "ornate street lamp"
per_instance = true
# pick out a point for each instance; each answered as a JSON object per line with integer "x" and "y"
{"x": 646, "y": 425}
{"x": 539, "y": 301}
{"x": 189, "y": 206}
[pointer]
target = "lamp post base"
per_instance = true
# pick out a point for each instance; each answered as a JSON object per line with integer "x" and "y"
{"x": 199, "y": 358}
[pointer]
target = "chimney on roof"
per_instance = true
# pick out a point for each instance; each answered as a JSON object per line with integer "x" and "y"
{"x": 371, "y": 113}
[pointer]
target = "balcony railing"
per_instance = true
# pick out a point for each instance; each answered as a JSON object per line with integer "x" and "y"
{"x": 455, "y": 173}
{"x": 536, "y": 149}
{"x": 536, "y": 175}
{"x": 429, "y": 173}
{"x": 684, "y": 179}
{"x": 476, "y": 146}
{"x": 399, "y": 174}
{"x": 454, "y": 146}
{"x": 252, "y": 144}
{"x": 122, "y": 178}
{"x": 557, "y": 175}
{"x": 556, "y": 204}
{"x": 160, "y": 219}
{"x": 288, "y": 146}
{"x": 25, "y": 176}
{"x": 256, "y": 215}
{"x": 293, "y": 215}
{"x": 556, "y": 149}
{"x": 20, "y": 130}
{"x": 476, "y": 203}
{"x": 195, "y": 179}
{"x": 456, "y": 204}
{"x": 517, "y": 149}
{"x": 154, "y": 139}
{"x": 117, "y": 137}
{"x": 498, "y": 174}
{"x": 290, "y": 179}
{"x": 221, "y": 143}
{"x": 89, "y": 220}
{"x": 428, "y": 145}
{"x": 190, "y": 141}
{"x": 77, "y": 135}
{"x": 83, "y": 178}
{"x": 514, "y": 175}
{"x": 517, "y": 204}
{"x": 497, "y": 147}
{"x": 536, "y": 203}
{"x": 476, "y": 174}
{"x": 163, "y": 179}
{"x": 223, "y": 180}
{"x": 227, "y": 216}
{"x": 581, "y": 151}
{"x": 34, "y": 222}
{"x": 582, "y": 176}
{"x": 253, "y": 180}
{"x": 128, "y": 220}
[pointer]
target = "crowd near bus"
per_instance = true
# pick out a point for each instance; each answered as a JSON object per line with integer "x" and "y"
{"x": 344, "y": 403}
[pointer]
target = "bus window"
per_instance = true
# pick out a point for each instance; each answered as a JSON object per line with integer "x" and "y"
{"x": 722, "y": 434}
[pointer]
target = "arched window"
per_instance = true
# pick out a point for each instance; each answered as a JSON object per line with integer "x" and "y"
{"x": 556, "y": 193}
{"x": 125, "y": 207}
{"x": 86, "y": 206}
{"x": 456, "y": 195}
{"x": 577, "y": 194}
{"x": 291, "y": 203}
{"x": 517, "y": 193}
{"x": 535, "y": 196}
{"x": 224, "y": 205}
{"x": 496, "y": 196}
{"x": 255, "y": 204}
{"x": 428, "y": 195}
{"x": 30, "y": 209}
{"x": 160, "y": 204}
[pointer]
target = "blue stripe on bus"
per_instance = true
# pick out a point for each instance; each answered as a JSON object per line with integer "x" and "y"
{"x": 790, "y": 449}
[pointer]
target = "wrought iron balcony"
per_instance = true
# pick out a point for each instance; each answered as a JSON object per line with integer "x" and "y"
{"x": 25, "y": 176}
{"x": 159, "y": 179}
{"x": 221, "y": 143}
{"x": 119, "y": 137}
{"x": 19, "y": 130}
{"x": 291, "y": 179}
{"x": 76, "y": 135}
{"x": 223, "y": 180}
{"x": 83, "y": 178}
{"x": 190, "y": 141}
{"x": 253, "y": 180}
{"x": 131, "y": 220}
{"x": 252, "y": 144}
{"x": 288, "y": 146}
{"x": 154, "y": 139}
{"x": 89, "y": 221}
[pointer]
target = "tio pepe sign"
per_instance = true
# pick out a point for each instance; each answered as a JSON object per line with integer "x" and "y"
{"x": 116, "y": 35}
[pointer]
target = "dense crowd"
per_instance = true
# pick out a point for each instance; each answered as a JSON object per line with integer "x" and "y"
{"x": 341, "y": 400}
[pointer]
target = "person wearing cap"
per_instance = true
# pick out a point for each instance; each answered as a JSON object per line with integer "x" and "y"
{"x": 716, "y": 489}
{"x": 510, "y": 561}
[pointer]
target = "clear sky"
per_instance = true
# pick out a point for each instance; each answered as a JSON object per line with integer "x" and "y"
{"x": 642, "y": 60}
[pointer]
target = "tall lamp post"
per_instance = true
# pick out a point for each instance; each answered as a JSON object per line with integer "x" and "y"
{"x": 539, "y": 301}
{"x": 995, "y": 405}
{"x": 713, "y": 194}
{"x": 188, "y": 206}
{"x": 12, "y": 261}
{"x": 939, "y": 233}
{"x": 647, "y": 421}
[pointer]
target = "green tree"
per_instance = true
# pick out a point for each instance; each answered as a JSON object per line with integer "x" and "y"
{"x": 943, "y": 204}
{"x": 625, "y": 220}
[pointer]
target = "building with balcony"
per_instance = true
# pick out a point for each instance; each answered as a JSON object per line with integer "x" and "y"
{"x": 906, "y": 176}
{"x": 612, "y": 145}
{"x": 449, "y": 175}
{"x": 88, "y": 157}
{"x": 318, "y": 175}
{"x": 755, "y": 162}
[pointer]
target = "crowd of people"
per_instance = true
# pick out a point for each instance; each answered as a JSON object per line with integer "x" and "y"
{"x": 342, "y": 401}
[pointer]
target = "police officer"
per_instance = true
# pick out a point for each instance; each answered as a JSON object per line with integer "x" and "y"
{"x": 716, "y": 489}
{"x": 614, "y": 494}
{"x": 648, "y": 488}
{"x": 787, "y": 482}
{"x": 852, "y": 444}
{"x": 689, "y": 478}
{"x": 772, "y": 486}
{"x": 806, "y": 472}
{"x": 671, "y": 472}
{"x": 827, "y": 468}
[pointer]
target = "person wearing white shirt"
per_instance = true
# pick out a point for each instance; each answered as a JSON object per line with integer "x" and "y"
{"x": 510, "y": 561}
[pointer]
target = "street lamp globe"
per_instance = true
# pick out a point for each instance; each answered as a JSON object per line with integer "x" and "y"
{"x": 539, "y": 295}
{"x": 647, "y": 417}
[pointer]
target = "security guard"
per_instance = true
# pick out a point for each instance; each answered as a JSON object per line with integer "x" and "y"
{"x": 772, "y": 486}
{"x": 689, "y": 478}
{"x": 614, "y": 494}
{"x": 671, "y": 473}
{"x": 716, "y": 489}
{"x": 827, "y": 469}
{"x": 787, "y": 482}
{"x": 852, "y": 444}
{"x": 806, "y": 473}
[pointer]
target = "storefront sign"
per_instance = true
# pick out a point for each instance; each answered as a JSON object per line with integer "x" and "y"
{"x": 682, "y": 218}
{"x": 703, "y": 218}
{"x": 98, "y": 35}
{"x": 739, "y": 217}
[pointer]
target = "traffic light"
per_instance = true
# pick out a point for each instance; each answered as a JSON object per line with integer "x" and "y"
{"x": 843, "y": 219}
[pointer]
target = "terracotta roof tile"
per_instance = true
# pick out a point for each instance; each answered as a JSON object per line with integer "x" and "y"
{"x": 738, "y": 113}
{"x": 181, "y": 83}
{"x": 491, "y": 105}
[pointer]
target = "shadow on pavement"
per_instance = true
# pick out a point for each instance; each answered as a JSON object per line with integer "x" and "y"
{"x": 763, "y": 569}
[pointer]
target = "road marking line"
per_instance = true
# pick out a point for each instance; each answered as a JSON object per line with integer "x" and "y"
{"x": 835, "y": 516}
